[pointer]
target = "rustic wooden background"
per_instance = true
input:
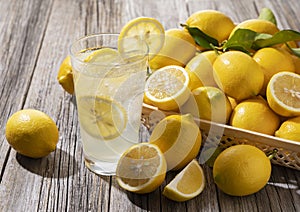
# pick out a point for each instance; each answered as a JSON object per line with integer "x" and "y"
{"x": 35, "y": 36}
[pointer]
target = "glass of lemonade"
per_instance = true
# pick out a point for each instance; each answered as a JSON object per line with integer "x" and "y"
{"x": 109, "y": 78}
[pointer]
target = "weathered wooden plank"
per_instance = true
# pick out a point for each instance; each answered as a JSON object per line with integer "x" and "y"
{"x": 282, "y": 187}
{"x": 36, "y": 39}
{"x": 18, "y": 56}
{"x": 24, "y": 24}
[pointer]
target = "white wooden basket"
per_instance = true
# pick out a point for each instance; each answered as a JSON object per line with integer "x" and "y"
{"x": 215, "y": 134}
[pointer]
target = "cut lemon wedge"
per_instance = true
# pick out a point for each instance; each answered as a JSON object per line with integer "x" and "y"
{"x": 187, "y": 184}
{"x": 142, "y": 168}
{"x": 103, "y": 55}
{"x": 102, "y": 117}
{"x": 167, "y": 88}
{"x": 283, "y": 94}
{"x": 144, "y": 28}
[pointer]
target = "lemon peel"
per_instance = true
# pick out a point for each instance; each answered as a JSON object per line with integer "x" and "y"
{"x": 32, "y": 133}
{"x": 179, "y": 138}
{"x": 241, "y": 170}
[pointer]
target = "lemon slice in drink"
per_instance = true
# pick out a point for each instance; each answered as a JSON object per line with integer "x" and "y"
{"x": 103, "y": 55}
{"x": 102, "y": 117}
{"x": 145, "y": 28}
{"x": 187, "y": 184}
{"x": 283, "y": 94}
{"x": 167, "y": 88}
{"x": 142, "y": 168}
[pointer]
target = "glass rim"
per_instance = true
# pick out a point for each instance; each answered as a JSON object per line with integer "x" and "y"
{"x": 72, "y": 53}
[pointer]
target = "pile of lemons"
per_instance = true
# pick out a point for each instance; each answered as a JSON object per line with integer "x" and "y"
{"x": 257, "y": 91}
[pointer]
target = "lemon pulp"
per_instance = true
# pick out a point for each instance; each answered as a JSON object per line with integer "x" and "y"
{"x": 103, "y": 55}
{"x": 167, "y": 88}
{"x": 102, "y": 117}
{"x": 187, "y": 184}
{"x": 283, "y": 94}
{"x": 142, "y": 168}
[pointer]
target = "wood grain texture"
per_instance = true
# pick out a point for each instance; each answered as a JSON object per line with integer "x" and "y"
{"x": 35, "y": 36}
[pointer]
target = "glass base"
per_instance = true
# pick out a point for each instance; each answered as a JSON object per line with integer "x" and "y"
{"x": 101, "y": 167}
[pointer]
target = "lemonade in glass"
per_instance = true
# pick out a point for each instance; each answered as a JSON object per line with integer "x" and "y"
{"x": 109, "y": 84}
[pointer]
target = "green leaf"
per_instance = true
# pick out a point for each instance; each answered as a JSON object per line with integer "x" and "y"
{"x": 241, "y": 40}
{"x": 280, "y": 37}
{"x": 201, "y": 38}
{"x": 268, "y": 15}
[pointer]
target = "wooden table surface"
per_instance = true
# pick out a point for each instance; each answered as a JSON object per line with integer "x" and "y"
{"x": 35, "y": 36}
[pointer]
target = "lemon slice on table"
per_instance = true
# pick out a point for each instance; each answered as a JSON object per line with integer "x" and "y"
{"x": 187, "y": 184}
{"x": 142, "y": 168}
{"x": 145, "y": 28}
{"x": 102, "y": 117}
{"x": 167, "y": 88}
{"x": 103, "y": 55}
{"x": 283, "y": 94}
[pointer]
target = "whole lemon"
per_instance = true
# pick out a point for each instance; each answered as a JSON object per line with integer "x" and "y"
{"x": 256, "y": 115}
{"x": 179, "y": 47}
{"x": 257, "y": 25}
{"x": 208, "y": 103}
{"x": 289, "y": 129}
{"x": 65, "y": 75}
{"x": 179, "y": 138}
{"x": 200, "y": 69}
{"x": 241, "y": 170}
{"x": 238, "y": 75}
{"x": 31, "y": 133}
{"x": 272, "y": 61}
{"x": 213, "y": 23}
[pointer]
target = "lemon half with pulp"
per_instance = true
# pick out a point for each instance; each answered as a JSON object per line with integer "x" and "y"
{"x": 142, "y": 168}
{"x": 283, "y": 94}
{"x": 167, "y": 88}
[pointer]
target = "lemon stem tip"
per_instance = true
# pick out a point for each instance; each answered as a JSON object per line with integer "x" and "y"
{"x": 272, "y": 154}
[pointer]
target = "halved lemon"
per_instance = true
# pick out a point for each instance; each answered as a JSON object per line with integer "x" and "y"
{"x": 283, "y": 94}
{"x": 142, "y": 28}
{"x": 167, "y": 87}
{"x": 101, "y": 117}
{"x": 103, "y": 55}
{"x": 142, "y": 168}
{"x": 189, "y": 183}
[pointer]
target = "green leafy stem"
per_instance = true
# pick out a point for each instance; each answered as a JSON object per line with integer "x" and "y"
{"x": 247, "y": 40}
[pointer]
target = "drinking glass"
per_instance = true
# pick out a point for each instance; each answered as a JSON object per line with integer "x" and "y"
{"x": 109, "y": 80}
